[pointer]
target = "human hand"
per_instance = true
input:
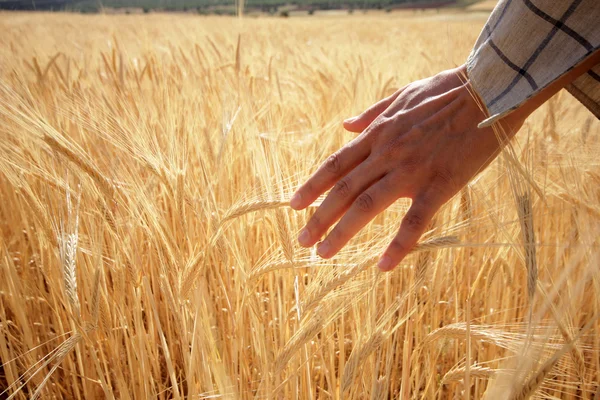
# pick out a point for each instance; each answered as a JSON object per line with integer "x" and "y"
{"x": 421, "y": 143}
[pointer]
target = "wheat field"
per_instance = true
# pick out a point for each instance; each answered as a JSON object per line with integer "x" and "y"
{"x": 148, "y": 249}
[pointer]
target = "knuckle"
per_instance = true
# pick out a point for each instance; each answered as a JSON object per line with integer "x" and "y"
{"x": 418, "y": 130}
{"x": 450, "y": 126}
{"x": 426, "y": 200}
{"x": 397, "y": 144}
{"x": 441, "y": 178}
{"x": 342, "y": 188}
{"x": 387, "y": 186}
{"x": 398, "y": 119}
{"x": 335, "y": 236}
{"x": 370, "y": 111}
{"x": 464, "y": 98}
{"x": 409, "y": 164}
{"x": 414, "y": 221}
{"x": 364, "y": 202}
{"x": 378, "y": 126}
{"x": 393, "y": 148}
{"x": 397, "y": 247}
{"x": 333, "y": 164}
{"x": 314, "y": 224}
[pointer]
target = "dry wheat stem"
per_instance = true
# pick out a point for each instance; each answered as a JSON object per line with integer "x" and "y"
{"x": 313, "y": 298}
{"x": 62, "y": 352}
{"x": 382, "y": 333}
{"x": 532, "y": 384}
{"x": 358, "y": 356}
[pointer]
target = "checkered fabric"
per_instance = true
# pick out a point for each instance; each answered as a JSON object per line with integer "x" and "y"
{"x": 527, "y": 44}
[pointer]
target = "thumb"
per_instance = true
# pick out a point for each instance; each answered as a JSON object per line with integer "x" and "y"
{"x": 360, "y": 123}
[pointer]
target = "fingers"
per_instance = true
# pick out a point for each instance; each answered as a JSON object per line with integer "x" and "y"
{"x": 337, "y": 202}
{"x": 334, "y": 168}
{"x": 366, "y": 207}
{"x": 412, "y": 227}
{"x": 362, "y": 122}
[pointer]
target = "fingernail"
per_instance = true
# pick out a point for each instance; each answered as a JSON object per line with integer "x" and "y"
{"x": 304, "y": 238}
{"x": 323, "y": 249}
{"x": 385, "y": 263}
{"x": 295, "y": 201}
{"x": 350, "y": 120}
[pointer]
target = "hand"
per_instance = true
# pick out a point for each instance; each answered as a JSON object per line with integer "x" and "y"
{"x": 422, "y": 143}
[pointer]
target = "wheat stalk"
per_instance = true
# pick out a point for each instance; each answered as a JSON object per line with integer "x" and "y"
{"x": 95, "y": 301}
{"x": 358, "y": 355}
{"x": 590, "y": 208}
{"x": 61, "y": 353}
{"x": 196, "y": 292}
{"x": 39, "y": 213}
{"x": 529, "y": 387}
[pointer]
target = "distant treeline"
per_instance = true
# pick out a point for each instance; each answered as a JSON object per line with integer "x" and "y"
{"x": 215, "y": 6}
{"x": 34, "y": 4}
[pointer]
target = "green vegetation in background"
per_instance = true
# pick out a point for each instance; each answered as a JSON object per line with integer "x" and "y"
{"x": 280, "y": 7}
{"x": 228, "y": 6}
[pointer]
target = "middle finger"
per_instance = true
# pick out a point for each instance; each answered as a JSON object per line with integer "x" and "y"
{"x": 366, "y": 207}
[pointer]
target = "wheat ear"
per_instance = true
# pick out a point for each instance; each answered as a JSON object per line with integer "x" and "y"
{"x": 357, "y": 356}
{"x": 274, "y": 266}
{"x": 84, "y": 165}
{"x": 251, "y": 206}
{"x": 457, "y": 331}
{"x": 533, "y": 383}
{"x": 313, "y": 298}
{"x": 303, "y": 334}
{"x": 285, "y": 236}
{"x": 61, "y": 353}
{"x": 525, "y": 212}
{"x": 69, "y": 270}
{"x": 457, "y": 374}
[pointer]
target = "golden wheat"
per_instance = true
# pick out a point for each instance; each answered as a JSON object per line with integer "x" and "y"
{"x": 148, "y": 250}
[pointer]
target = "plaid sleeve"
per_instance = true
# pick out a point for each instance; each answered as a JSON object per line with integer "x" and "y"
{"x": 526, "y": 45}
{"x": 586, "y": 89}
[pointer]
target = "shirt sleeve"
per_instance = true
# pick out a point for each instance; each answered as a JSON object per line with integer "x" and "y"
{"x": 526, "y": 45}
{"x": 586, "y": 89}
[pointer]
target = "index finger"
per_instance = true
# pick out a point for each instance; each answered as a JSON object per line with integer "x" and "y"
{"x": 331, "y": 171}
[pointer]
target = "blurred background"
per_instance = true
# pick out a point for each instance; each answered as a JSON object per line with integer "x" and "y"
{"x": 283, "y": 8}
